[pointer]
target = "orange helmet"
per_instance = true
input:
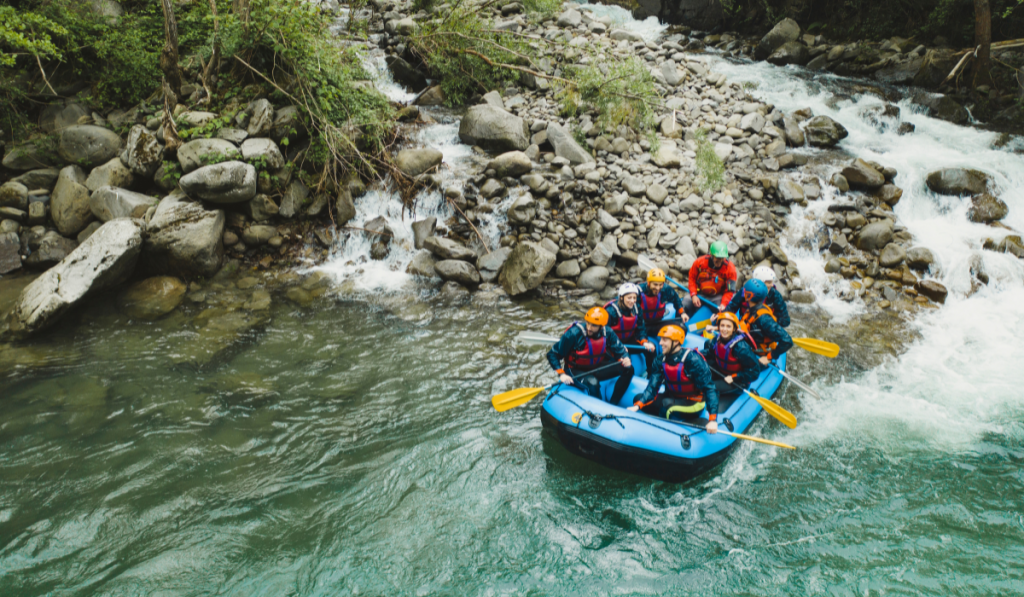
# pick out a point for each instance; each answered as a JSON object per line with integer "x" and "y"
{"x": 729, "y": 316}
{"x": 656, "y": 275}
{"x": 673, "y": 332}
{"x": 596, "y": 316}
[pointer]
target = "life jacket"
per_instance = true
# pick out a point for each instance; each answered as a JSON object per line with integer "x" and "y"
{"x": 592, "y": 353}
{"x": 677, "y": 384}
{"x": 625, "y": 329}
{"x": 652, "y": 307}
{"x": 710, "y": 282}
{"x": 765, "y": 347}
{"x": 727, "y": 363}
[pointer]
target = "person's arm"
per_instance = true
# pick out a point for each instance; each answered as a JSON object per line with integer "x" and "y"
{"x": 747, "y": 358}
{"x": 672, "y": 298}
{"x": 777, "y": 334}
{"x": 709, "y": 350}
{"x": 614, "y": 345}
{"x": 641, "y": 325}
{"x": 655, "y": 377}
{"x": 613, "y": 314}
{"x": 733, "y": 303}
{"x": 697, "y": 370}
{"x": 731, "y": 276}
{"x": 566, "y": 344}
{"x": 778, "y": 306}
{"x": 694, "y": 269}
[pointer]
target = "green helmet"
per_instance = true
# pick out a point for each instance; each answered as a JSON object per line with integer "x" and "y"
{"x": 719, "y": 249}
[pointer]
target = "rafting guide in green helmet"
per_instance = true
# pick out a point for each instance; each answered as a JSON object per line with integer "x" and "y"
{"x": 712, "y": 278}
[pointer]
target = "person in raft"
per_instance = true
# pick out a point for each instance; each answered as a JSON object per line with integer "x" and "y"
{"x": 585, "y": 347}
{"x": 625, "y": 319}
{"x": 712, "y": 278}
{"x": 687, "y": 379}
{"x": 730, "y": 353}
{"x": 654, "y": 297}
{"x": 770, "y": 339}
{"x": 774, "y": 299}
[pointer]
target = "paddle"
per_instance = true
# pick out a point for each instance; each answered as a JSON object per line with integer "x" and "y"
{"x": 784, "y": 416}
{"x": 647, "y": 264}
{"x": 740, "y": 436}
{"x": 539, "y": 338}
{"x": 821, "y": 347}
{"x": 798, "y": 383}
{"x": 520, "y": 396}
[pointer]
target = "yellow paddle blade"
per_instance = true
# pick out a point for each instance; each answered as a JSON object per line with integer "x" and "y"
{"x": 758, "y": 440}
{"x": 700, "y": 325}
{"x": 821, "y": 347}
{"x": 514, "y": 398}
{"x": 787, "y": 418}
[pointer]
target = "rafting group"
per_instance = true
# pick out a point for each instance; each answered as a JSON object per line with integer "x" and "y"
{"x": 720, "y": 351}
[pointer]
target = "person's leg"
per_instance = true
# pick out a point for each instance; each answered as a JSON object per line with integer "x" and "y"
{"x": 591, "y": 386}
{"x": 688, "y": 307}
{"x": 624, "y": 375}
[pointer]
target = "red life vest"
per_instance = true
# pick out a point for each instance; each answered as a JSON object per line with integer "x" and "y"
{"x": 766, "y": 347}
{"x": 591, "y": 355}
{"x": 625, "y": 329}
{"x": 724, "y": 358}
{"x": 652, "y": 307}
{"x": 677, "y": 385}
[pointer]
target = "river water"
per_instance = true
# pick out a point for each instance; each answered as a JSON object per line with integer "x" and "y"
{"x": 349, "y": 447}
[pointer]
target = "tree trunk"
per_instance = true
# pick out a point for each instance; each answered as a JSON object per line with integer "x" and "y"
{"x": 169, "y": 55}
{"x": 241, "y": 10}
{"x": 983, "y": 42}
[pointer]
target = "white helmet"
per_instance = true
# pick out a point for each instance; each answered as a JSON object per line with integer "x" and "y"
{"x": 629, "y": 288}
{"x": 764, "y": 274}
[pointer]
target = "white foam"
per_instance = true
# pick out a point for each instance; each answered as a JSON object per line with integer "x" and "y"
{"x": 650, "y": 29}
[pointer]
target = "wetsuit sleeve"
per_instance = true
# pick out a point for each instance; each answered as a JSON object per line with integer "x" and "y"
{"x": 731, "y": 276}
{"x": 745, "y": 354}
{"x": 615, "y": 346}
{"x": 655, "y": 378}
{"x": 777, "y": 334}
{"x": 778, "y": 307}
{"x": 697, "y": 370}
{"x": 709, "y": 349}
{"x": 672, "y": 297}
{"x": 734, "y": 303}
{"x": 694, "y": 270}
{"x": 613, "y": 314}
{"x": 641, "y": 325}
{"x": 566, "y": 344}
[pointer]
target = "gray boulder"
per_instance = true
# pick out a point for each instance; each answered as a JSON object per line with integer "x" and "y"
{"x": 413, "y": 162}
{"x": 422, "y": 264}
{"x": 594, "y": 277}
{"x": 791, "y": 52}
{"x": 43, "y": 178}
{"x": 184, "y": 238}
{"x": 153, "y": 297}
{"x": 892, "y": 255}
{"x": 875, "y": 235}
{"x": 785, "y": 31}
{"x": 790, "y": 191}
{"x": 262, "y": 208}
{"x": 920, "y": 258}
{"x": 294, "y": 197}
{"x": 526, "y": 268}
{"x": 454, "y": 270}
{"x": 494, "y": 129}
{"x": 110, "y": 203}
{"x": 568, "y": 269}
{"x": 69, "y": 203}
{"x": 344, "y": 206}
{"x": 523, "y": 210}
{"x": 28, "y": 156}
{"x": 263, "y": 150}
{"x": 262, "y": 118}
{"x": 511, "y": 163}
{"x": 145, "y": 153}
{"x": 703, "y": 15}
{"x": 822, "y": 131}
{"x": 195, "y": 154}
{"x": 226, "y": 182}
{"x": 933, "y": 290}
{"x": 987, "y": 208}
{"x": 957, "y": 181}
{"x": 862, "y": 176}
{"x": 105, "y": 259}
{"x": 570, "y": 18}
{"x": 657, "y": 193}
{"x": 57, "y": 117}
{"x": 446, "y": 248}
{"x": 10, "y": 258}
{"x": 490, "y": 264}
{"x": 423, "y": 229}
{"x": 14, "y": 194}
{"x": 52, "y": 249}
{"x": 88, "y": 145}
{"x": 258, "y": 234}
{"x": 567, "y": 147}
{"x": 112, "y": 174}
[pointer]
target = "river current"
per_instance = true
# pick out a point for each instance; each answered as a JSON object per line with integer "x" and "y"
{"x": 349, "y": 447}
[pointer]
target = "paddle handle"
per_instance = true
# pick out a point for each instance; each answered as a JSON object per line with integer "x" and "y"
{"x": 757, "y": 439}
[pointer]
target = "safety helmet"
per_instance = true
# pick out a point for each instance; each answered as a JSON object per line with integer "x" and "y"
{"x": 629, "y": 288}
{"x": 596, "y": 316}
{"x": 719, "y": 249}
{"x": 728, "y": 316}
{"x": 754, "y": 291}
{"x": 673, "y": 332}
{"x": 656, "y": 275}
{"x": 764, "y": 274}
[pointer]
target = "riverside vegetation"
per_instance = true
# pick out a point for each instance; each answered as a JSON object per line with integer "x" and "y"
{"x": 607, "y": 144}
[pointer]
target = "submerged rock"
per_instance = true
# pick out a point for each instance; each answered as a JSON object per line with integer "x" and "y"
{"x": 153, "y": 297}
{"x": 822, "y": 131}
{"x": 986, "y": 208}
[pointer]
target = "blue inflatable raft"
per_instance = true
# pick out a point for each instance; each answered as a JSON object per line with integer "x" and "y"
{"x": 645, "y": 445}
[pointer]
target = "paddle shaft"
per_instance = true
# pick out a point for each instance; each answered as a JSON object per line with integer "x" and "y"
{"x": 798, "y": 383}
{"x": 782, "y": 415}
{"x": 741, "y": 436}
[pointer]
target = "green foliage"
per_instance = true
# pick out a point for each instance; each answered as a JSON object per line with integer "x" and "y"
{"x": 172, "y": 173}
{"x": 214, "y": 157}
{"x": 543, "y": 7}
{"x": 131, "y": 70}
{"x": 26, "y": 32}
{"x": 621, "y": 90}
{"x": 710, "y": 169}
{"x": 204, "y": 131}
{"x": 425, "y": 5}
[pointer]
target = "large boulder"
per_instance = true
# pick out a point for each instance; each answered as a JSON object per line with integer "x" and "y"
{"x": 526, "y": 268}
{"x": 403, "y": 72}
{"x": 10, "y": 258}
{"x": 570, "y": 18}
{"x": 862, "y": 176}
{"x": 153, "y": 297}
{"x": 594, "y": 277}
{"x": 105, "y": 259}
{"x": 422, "y": 230}
{"x": 494, "y": 129}
{"x": 933, "y": 290}
{"x": 491, "y": 263}
{"x": 28, "y": 156}
{"x": 567, "y": 147}
{"x": 43, "y": 178}
{"x": 112, "y": 174}
{"x": 791, "y": 52}
{"x": 195, "y": 154}
{"x": 957, "y": 181}
{"x": 88, "y": 145}
{"x": 264, "y": 152}
{"x": 110, "y": 203}
{"x": 703, "y": 15}
{"x": 14, "y": 194}
{"x": 892, "y": 255}
{"x": 920, "y": 258}
{"x": 875, "y": 235}
{"x": 523, "y": 210}
{"x": 69, "y": 204}
{"x": 446, "y": 248}
{"x": 422, "y": 264}
{"x": 52, "y": 249}
{"x": 454, "y": 270}
{"x": 822, "y": 131}
{"x": 226, "y": 182}
{"x": 262, "y": 118}
{"x": 413, "y": 162}
{"x": 511, "y": 163}
{"x": 145, "y": 153}
{"x": 57, "y": 117}
{"x": 184, "y": 238}
{"x": 787, "y": 30}
{"x": 987, "y": 208}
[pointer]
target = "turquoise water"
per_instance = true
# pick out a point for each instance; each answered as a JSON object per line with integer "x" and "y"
{"x": 350, "y": 448}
